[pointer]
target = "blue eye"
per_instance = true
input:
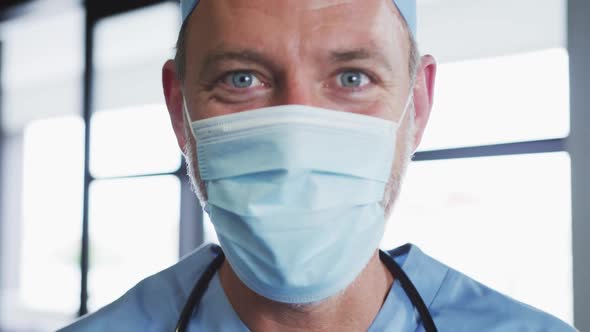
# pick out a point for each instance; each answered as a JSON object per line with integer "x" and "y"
{"x": 353, "y": 79}
{"x": 242, "y": 79}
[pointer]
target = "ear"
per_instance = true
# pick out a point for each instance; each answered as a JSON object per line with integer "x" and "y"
{"x": 174, "y": 101}
{"x": 423, "y": 95}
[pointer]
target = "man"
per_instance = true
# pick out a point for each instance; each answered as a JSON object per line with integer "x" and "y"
{"x": 298, "y": 119}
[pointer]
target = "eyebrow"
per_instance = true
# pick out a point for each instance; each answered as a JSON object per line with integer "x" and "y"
{"x": 243, "y": 55}
{"x": 252, "y": 56}
{"x": 360, "y": 54}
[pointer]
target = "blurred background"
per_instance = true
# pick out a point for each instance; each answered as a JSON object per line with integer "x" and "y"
{"x": 94, "y": 197}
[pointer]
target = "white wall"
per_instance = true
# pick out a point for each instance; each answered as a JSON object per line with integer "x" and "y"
{"x": 454, "y": 30}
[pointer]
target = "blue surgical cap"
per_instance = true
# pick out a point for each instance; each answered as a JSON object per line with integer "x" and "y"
{"x": 406, "y": 7}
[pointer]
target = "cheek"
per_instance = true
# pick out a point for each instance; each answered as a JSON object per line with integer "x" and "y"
{"x": 207, "y": 106}
{"x": 383, "y": 108}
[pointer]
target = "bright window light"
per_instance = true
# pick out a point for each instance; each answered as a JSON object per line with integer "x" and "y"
{"x": 52, "y": 215}
{"x": 133, "y": 141}
{"x": 504, "y": 99}
{"x": 133, "y": 233}
{"x": 501, "y": 220}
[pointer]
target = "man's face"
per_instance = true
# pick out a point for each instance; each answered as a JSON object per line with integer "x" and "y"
{"x": 345, "y": 55}
{"x": 348, "y": 55}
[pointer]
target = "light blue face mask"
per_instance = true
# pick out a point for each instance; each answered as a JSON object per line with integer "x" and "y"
{"x": 294, "y": 193}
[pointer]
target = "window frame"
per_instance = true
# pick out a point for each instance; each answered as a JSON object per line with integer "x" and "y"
{"x": 191, "y": 216}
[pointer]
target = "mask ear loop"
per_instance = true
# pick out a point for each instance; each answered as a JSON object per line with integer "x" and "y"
{"x": 187, "y": 116}
{"x": 410, "y": 98}
{"x": 407, "y": 106}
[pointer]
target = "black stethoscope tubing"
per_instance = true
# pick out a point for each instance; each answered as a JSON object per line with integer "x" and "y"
{"x": 194, "y": 299}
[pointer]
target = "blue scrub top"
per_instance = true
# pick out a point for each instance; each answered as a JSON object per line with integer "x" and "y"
{"x": 456, "y": 302}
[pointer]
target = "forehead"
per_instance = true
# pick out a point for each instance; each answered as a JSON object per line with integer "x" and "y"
{"x": 296, "y": 25}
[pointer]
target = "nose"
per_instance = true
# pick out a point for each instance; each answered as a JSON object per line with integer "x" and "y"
{"x": 297, "y": 88}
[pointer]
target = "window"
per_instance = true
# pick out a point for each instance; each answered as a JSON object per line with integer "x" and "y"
{"x": 134, "y": 198}
{"x": 513, "y": 98}
{"x": 133, "y": 233}
{"x": 52, "y": 208}
{"x": 42, "y": 137}
{"x": 133, "y": 141}
{"x": 134, "y": 179}
{"x": 492, "y": 177}
{"x": 511, "y": 214}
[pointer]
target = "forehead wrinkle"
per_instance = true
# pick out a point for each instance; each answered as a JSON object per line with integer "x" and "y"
{"x": 383, "y": 9}
{"x": 329, "y": 3}
{"x": 362, "y": 53}
{"x": 225, "y": 53}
